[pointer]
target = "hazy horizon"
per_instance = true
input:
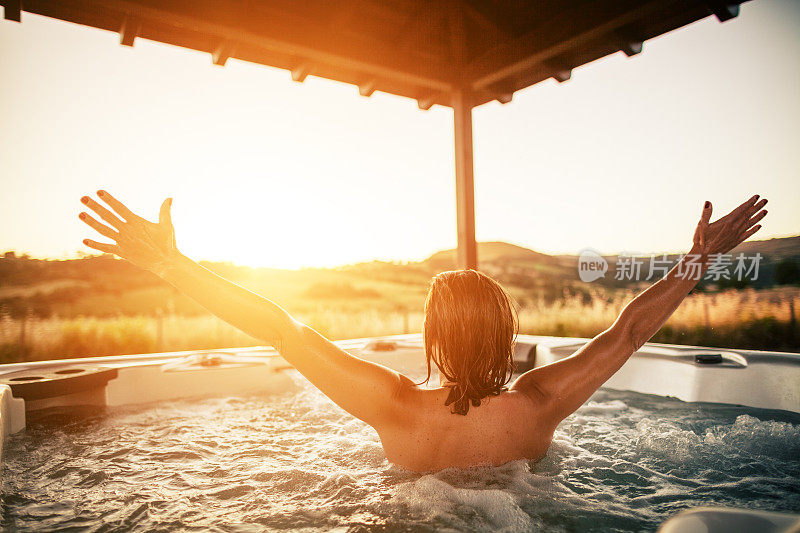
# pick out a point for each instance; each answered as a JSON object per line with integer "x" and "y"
{"x": 81, "y": 254}
{"x": 268, "y": 172}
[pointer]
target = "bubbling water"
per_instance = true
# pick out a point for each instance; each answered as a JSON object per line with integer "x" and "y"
{"x": 624, "y": 461}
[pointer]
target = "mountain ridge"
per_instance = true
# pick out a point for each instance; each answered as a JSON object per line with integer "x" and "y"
{"x": 775, "y": 248}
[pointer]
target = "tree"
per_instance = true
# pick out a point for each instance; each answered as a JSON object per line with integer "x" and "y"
{"x": 787, "y": 272}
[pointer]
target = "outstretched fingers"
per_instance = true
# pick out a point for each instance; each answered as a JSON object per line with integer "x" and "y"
{"x": 749, "y": 233}
{"x": 750, "y": 216}
{"x": 742, "y": 216}
{"x": 754, "y": 214}
{"x": 104, "y": 213}
{"x": 102, "y": 229}
{"x": 116, "y": 205}
{"x": 103, "y": 247}
{"x": 746, "y": 205}
{"x": 754, "y": 219}
{"x": 756, "y": 207}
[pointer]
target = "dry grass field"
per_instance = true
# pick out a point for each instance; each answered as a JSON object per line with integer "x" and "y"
{"x": 745, "y": 319}
{"x": 98, "y": 305}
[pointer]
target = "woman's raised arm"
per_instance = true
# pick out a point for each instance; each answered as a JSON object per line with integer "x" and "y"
{"x": 566, "y": 384}
{"x": 367, "y": 390}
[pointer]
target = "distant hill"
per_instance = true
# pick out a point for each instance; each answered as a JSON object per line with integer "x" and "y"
{"x": 491, "y": 252}
{"x": 775, "y": 249}
{"x": 525, "y": 267}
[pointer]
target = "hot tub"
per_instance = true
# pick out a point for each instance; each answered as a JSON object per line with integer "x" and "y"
{"x": 236, "y": 439}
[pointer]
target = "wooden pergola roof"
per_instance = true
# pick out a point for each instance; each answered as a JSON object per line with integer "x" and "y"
{"x": 422, "y": 49}
{"x": 456, "y": 53}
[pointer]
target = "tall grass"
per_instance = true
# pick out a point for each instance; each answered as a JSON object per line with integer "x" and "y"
{"x": 58, "y": 338}
{"x": 746, "y": 319}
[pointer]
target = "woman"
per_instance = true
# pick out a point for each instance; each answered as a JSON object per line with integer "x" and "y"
{"x": 472, "y": 418}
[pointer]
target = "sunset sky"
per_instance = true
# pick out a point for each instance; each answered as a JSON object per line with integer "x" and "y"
{"x": 268, "y": 172}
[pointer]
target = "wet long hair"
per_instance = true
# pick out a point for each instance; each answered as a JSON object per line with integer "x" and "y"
{"x": 469, "y": 332}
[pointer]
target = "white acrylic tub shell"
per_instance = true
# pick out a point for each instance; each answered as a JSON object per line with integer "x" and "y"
{"x": 726, "y": 520}
{"x": 12, "y": 414}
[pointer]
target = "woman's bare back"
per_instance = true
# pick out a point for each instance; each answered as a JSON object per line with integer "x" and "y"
{"x": 503, "y": 428}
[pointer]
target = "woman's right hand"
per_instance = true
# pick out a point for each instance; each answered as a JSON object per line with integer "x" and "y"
{"x": 146, "y": 244}
{"x": 723, "y": 235}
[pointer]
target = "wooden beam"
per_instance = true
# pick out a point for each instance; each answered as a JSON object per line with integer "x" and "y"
{"x": 562, "y": 75}
{"x": 724, "y": 11}
{"x": 629, "y": 45}
{"x": 632, "y": 48}
{"x": 300, "y": 73}
{"x": 13, "y": 10}
{"x": 498, "y": 19}
{"x": 570, "y": 29}
{"x": 129, "y": 31}
{"x": 367, "y": 88}
{"x": 222, "y": 53}
{"x": 425, "y": 103}
{"x": 467, "y": 251}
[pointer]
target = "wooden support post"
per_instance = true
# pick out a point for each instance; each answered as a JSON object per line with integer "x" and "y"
{"x": 465, "y": 193}
{"x": 160, "y": 330}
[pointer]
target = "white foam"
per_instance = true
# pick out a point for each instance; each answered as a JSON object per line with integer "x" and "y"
{"x": 612, "y": 406}
{"x": 666, "y": 440}
{"x": 436, "y": 500}
{"x": 762, "y": 437}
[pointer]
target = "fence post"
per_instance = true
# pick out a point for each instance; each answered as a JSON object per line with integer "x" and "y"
{"x": 23, "y": 341}
{"x": 160, "y": 330}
